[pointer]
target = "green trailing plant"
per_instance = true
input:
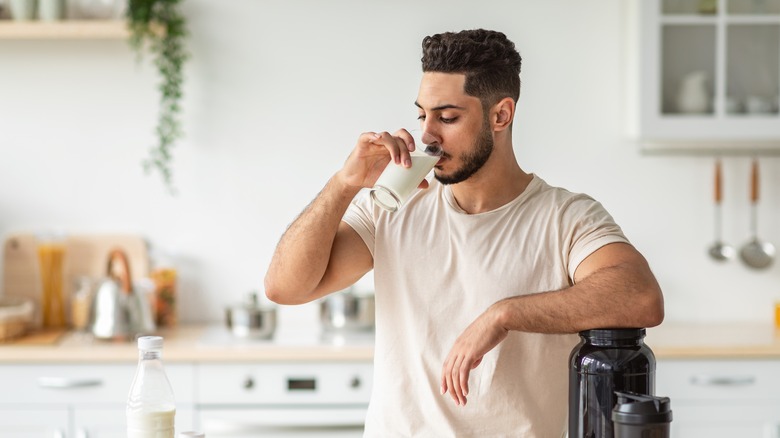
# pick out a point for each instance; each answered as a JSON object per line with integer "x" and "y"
{"x": 159, "y": 26}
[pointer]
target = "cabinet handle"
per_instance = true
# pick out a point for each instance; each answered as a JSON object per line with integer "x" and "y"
{"x": 723, "y": 380}
{"x": 65, "y": 383}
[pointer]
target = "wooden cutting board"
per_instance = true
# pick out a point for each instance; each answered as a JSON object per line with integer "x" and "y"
{"x": 85, "y": 255}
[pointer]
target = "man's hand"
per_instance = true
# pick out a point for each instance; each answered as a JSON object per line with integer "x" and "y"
{"x": 480, "y": 336}
{"x": 371, "y": 155}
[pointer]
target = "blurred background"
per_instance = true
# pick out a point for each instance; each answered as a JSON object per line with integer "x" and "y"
{"x": 276, "y": 93}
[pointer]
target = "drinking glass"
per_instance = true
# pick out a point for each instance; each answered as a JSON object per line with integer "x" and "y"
{"x": 397, "y": 183}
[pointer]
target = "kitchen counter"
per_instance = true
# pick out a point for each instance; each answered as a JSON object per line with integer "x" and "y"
{"x": 714, "y": 341}
{"x": 204, "y": 343}
{"x": 198, "y": 343}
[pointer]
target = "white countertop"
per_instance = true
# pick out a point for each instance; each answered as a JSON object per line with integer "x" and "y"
{"x": 213, "y": 343}
{"x": 714, "y": 340}
{"x": 196, "y": 343}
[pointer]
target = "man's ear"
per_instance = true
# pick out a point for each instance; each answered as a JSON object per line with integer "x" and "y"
{"x": 503, "y": 113}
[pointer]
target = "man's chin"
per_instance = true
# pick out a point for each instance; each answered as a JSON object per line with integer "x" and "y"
{"x": 443, "y": 179}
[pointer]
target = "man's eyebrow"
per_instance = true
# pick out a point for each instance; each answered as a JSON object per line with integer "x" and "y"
{"x": 441, "y": 107}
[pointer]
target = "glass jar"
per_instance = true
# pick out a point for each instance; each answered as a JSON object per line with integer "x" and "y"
{"x": 605, "y": 361}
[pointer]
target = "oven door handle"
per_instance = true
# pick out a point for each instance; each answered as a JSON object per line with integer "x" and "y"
{"x": 254, "y": 420}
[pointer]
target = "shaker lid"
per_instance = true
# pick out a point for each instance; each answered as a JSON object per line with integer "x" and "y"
{"x": 633, "y": 408}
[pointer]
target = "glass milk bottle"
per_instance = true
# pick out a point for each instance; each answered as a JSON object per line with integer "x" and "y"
{"x": 150, "y": 405}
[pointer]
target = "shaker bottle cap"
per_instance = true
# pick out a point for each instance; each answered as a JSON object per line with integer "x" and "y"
{"x": 633, "y": 408}
{"x": 150, "y": 342}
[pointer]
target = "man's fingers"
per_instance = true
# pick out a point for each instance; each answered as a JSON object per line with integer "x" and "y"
{"x": 465, "y": 368}
{"x": 397, "y": 147}
{"x": 457, "y": 381}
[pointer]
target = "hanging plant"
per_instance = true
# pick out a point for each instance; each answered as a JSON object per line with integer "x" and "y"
{"x": 159, "y": 26}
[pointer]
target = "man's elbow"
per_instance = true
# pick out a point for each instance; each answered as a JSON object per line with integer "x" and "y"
{"x": 276, "y": 292}
{"x": 652, "y": 307}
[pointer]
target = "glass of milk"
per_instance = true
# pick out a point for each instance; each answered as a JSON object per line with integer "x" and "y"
{"x": 397, "y": 183}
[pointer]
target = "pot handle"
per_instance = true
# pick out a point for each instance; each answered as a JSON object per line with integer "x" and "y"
{"x": 124, "y": 279}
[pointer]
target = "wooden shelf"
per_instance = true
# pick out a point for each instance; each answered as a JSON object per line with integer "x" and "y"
{"x": 63, "y": 30}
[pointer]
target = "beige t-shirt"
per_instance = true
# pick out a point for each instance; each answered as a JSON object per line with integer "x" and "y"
{"x": 436, "y": 269}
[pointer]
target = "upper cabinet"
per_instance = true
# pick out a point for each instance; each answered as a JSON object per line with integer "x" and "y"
{"x": 709, "y": 74}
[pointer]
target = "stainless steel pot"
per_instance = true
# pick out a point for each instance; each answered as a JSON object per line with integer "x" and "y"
{"x": 251, "y": 319}
{"x": 347, "y": 310}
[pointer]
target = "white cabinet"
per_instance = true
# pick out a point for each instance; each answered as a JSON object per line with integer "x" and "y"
{"x": 79, "y": 401}
{"x": 722, "y": 398}
{"x": 34, "y": 422}
{"x": 709, "y": 73}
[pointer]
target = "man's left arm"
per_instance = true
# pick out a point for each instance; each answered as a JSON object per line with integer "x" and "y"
{"x": 613, "y": 287}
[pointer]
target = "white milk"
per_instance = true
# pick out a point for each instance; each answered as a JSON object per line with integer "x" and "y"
{"x": 150, "y": 424}
{"x": 397, "y": 183}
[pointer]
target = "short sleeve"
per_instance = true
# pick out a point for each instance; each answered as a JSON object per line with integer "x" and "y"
{"x": 360, "y": 217}
{"x": 587, "y": 226}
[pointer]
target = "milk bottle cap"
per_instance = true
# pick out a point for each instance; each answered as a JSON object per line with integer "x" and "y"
{"x": 150, "y": 342}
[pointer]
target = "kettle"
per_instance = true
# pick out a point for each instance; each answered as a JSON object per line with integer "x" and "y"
{"x": 118, "y": 312}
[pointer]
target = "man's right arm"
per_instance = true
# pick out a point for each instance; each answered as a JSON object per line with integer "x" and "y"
{"x": 319, "y": 253}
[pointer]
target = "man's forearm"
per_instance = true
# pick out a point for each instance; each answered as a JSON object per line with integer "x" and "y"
{"x": 615, "y": 296}
{"x": 302, "y": 255}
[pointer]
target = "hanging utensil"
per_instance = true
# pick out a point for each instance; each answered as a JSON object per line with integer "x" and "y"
{"x": 755, "y": 253}
{"x": 718, "y": 250}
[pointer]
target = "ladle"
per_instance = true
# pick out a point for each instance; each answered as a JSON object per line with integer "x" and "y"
{"x": 755, "y": 253}
{"x": 718, "y": 250}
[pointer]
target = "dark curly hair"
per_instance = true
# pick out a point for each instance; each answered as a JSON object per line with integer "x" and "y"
{"x": 487, "y": 58}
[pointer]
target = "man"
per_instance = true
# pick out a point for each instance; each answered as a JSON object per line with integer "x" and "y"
{"x": 483, "y": 279}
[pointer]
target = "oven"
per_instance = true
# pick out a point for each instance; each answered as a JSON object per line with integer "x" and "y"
{"x": 279, "y": 398}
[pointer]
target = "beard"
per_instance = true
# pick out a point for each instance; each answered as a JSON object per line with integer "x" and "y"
{"x": 472, "y": 161}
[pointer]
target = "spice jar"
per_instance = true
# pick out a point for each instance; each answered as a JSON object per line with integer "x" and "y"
{"x": 80, "y": 303}
{"x": 163, "y": 275}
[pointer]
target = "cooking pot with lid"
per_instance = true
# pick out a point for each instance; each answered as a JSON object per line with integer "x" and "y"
{"x": 251, "y": 319}
{"x": 347, "y": 310}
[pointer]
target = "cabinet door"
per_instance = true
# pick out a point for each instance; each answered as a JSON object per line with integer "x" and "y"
{"x": 74, "y": 384}
{"x": 710, "y": 70}
{"x": 736, "y": 420}
{"x": 110, "y": 422}
{"x": 40, "y": 422}
{"x": 721, "y": 398}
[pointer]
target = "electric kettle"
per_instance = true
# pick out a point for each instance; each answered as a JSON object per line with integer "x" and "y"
{"x": 118, "y": 312}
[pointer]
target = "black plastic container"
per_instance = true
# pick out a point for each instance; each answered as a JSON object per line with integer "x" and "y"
{"x": 605, "y": 361}
{"x": 641, "y": 416}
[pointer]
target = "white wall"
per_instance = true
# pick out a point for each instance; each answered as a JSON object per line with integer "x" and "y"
{"x": 277, "y": 92}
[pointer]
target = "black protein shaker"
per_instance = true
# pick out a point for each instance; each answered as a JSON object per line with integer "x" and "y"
{"x": 641, "y": 416}
{"x": 606, "y": 360}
